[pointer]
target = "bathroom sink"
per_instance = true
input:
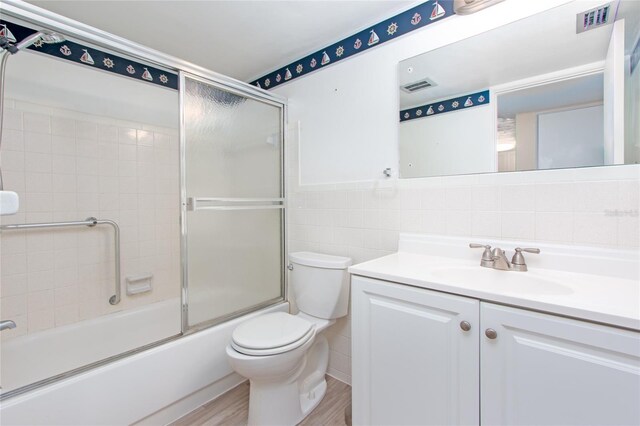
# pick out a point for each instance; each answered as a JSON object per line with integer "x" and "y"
{"x": 503, "y": 281}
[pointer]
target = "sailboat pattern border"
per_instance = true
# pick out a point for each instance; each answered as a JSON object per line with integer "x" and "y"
{"x": 447, "y": 105}
{"x": 94, "y": 58}
{"x": 387, "y": 30}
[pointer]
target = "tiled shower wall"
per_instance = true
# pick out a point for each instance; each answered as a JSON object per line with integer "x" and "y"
{"x": 594, "y": 207}
{"x": 68, "y": 166}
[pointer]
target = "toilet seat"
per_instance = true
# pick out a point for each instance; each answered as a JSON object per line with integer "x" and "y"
{"x": 272, "y": 334}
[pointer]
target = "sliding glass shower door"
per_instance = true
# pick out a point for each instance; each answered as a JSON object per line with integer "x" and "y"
{"x": 233, "y": 205}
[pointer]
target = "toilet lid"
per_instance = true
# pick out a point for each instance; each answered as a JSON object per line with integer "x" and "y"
{"x": 271, "y": 331}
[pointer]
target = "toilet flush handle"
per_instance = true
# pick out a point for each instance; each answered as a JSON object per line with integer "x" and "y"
{"x": 290, "y": 267}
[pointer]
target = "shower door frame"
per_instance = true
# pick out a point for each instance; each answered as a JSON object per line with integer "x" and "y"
{"x": 186, "y": 328}
{"x": 44, "y": 19}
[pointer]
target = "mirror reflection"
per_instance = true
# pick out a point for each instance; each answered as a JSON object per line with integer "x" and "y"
{"x": 526, "y": 96}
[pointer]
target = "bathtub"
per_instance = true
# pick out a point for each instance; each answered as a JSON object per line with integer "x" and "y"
{"x": 155, "y": 386}
{"x": 38, "y": 356}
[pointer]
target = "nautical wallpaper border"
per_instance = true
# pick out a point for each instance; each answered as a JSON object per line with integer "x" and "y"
{"x": 389, "y": 29}
{"x": 454, "y": 104}
{"x": 91, "y": 57}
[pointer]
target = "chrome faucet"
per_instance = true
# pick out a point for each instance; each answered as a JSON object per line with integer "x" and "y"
{"x": 7, "y": 324}
{"x": 497, "y": 259}
{"x": 500, "y": 260}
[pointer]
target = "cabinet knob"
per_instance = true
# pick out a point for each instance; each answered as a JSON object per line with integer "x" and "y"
{"x": 465, "y": 325}
{"x": 491, "y": 333}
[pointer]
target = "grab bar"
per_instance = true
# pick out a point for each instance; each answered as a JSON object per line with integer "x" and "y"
{"x": 90, "y": 222}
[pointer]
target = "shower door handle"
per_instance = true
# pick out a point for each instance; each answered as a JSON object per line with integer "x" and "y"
{"x": 7, "y": 325}
{"x": 208, "y": 203}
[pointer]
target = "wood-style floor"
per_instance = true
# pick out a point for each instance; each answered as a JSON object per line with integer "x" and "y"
{"x": 231, "y": 408}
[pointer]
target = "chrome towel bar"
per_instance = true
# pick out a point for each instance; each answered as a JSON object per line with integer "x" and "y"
{"x": 90, "y": 222}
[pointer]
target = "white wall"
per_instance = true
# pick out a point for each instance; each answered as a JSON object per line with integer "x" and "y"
{"x": 439, "y": 145}
{"x": 347, "y": 115}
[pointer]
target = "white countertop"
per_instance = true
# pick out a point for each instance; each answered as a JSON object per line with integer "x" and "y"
{"x": 609, "y": 300}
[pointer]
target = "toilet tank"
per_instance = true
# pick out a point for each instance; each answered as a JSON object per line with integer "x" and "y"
{"x": 320, "y": 284}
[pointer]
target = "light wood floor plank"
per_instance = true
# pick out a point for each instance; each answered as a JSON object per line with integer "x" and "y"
{"x": 231, "y": 408}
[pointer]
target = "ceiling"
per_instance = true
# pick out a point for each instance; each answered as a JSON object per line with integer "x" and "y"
{"x": 241, "y": 39}
{"x": 536, "y": 45}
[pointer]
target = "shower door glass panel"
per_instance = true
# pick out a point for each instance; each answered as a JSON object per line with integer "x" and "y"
{"x": 234, "y": 206}
{"x": 80, "y": 143}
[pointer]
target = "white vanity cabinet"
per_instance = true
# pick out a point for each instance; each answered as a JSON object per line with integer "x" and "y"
{"x": 547, "y": 370}
{"x": 413, "y": 364}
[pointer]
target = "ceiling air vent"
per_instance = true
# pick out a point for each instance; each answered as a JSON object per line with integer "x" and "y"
{"x": 418, "y": 85}
{"x": 593, "y": 18}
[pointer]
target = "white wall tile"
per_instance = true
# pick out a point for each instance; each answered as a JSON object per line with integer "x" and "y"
{"x": 63, "y": 164}
{"x": 40, "y": 300}
{"x": 13, "y": 305}
{"x": 87, "y": 130}
{"x": 595, "y": 229}
{"x": 629, "y": 195}
{"x": 38, "y": 162}
{"x": 62, "y": 145}
{"x": 40, "y": 320}
{"x": 485, "y": 198}
{"x": 13, "y": 285}
{"x": 37, "y": 142}
{"x": 12, "y": 140}
{"x": 458, "y": 222}
{"x": 63, "y": 126}
{"x": 518, "y": 225}
{"x": 629, "y": 231}
{"x": 38, "y": 182}
{"x": 596, "y": 196}
{"x": 556, "y": 197}
{"x": 554, "y": 226}
{"x": 33, "y": 122}
{"x": 458, "y": 198}
{"x": 518, "y": 197}
{"x": 12, "y": 119}
{"x": 107, "y": 133}
{"x": 486, "y": 224}
{"x": 65, "y": 169}
{"x": 12, "y": 161}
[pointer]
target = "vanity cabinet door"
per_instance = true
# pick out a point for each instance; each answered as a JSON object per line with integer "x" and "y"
{"x": 413, "y": 364}
{"x": 545, "y": 370}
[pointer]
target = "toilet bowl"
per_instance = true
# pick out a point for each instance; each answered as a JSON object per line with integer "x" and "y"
{"x": 285, "y": 356}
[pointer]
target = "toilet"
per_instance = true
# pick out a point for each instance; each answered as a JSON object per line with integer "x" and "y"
{"x": 285, "y": 356}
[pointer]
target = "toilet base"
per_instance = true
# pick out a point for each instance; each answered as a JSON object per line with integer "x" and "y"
{"x": 310, "y": 400}
{"x": 288, "y": 403}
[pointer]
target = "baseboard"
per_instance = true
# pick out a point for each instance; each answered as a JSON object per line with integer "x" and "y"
{"x": 191, "y": 402}
{"x": 339, "y": 375}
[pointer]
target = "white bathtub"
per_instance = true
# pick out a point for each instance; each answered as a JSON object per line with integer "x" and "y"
{"x": 33, "y": 357}
{"x": 151, "y": 387}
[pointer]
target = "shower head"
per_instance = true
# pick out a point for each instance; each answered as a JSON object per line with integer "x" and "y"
{"x": 48, "y": 38}
{"x": 7, "y": 46}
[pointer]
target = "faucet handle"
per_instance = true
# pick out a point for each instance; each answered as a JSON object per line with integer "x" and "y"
{"x": 487, "y": 257}
{"x": 476, "y": 245}
{"x": 518, "y": 258}
{"x": 528, "y": 250}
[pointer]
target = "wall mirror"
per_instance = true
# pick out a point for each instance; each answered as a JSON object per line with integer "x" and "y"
{"x": 559, "y": 89}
